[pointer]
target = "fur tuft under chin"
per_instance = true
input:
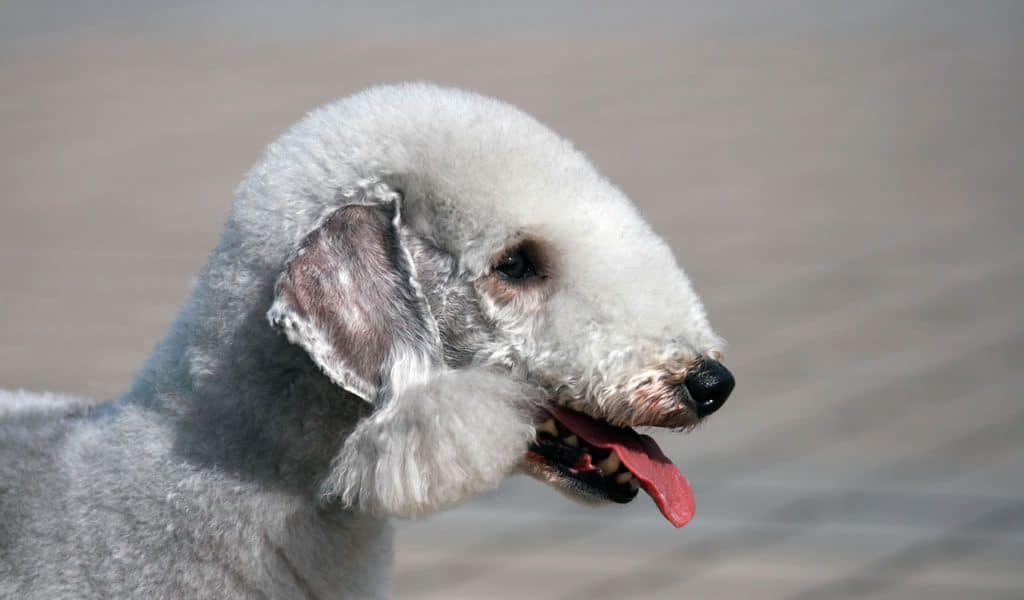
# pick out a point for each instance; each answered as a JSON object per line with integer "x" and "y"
{"x": 438, "y": 443}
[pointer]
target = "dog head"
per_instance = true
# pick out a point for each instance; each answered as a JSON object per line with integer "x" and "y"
{"x": 500, "y": 305}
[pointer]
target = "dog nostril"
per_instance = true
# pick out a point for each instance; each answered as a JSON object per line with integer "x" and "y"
{"x": 709, "y": 385}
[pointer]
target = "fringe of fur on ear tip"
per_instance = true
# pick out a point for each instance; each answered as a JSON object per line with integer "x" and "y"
{"x": 437, "y": 444}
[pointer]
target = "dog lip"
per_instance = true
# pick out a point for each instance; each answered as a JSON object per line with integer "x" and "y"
{"x": 588, "y": 482}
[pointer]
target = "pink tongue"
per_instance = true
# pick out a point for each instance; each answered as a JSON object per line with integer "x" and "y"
{"x": 641, "y": 455}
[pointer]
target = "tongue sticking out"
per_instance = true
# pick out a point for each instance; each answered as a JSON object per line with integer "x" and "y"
{"x": 641, "y": 455}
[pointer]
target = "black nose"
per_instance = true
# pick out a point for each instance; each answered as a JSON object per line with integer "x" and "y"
{"x": 709, "y": 385}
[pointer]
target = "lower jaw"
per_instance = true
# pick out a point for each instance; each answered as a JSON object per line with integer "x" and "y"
{"x": 590, "y": 486}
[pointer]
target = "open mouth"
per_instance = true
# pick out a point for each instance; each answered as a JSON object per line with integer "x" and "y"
{"x": 604, "y": 462}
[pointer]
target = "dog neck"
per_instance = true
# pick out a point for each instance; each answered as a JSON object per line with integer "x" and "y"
{"x": 245, "y": 401}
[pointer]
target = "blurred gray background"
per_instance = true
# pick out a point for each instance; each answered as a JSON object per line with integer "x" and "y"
{"x": 856, "y": 169}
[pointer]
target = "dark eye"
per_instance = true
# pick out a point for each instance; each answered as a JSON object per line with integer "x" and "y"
{"x": 516, "y": 265}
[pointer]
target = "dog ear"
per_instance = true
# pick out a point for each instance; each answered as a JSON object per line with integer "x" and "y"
{"x": 437, "y": 444}
{"x": 349, "y": 297}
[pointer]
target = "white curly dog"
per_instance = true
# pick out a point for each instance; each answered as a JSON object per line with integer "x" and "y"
{"x": 418, "y": 292}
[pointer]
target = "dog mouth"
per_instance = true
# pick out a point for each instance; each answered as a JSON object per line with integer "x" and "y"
{"x": 599, "y": 461}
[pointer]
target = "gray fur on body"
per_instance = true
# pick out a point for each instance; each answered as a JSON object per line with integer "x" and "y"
{"x": 348, "y": 354}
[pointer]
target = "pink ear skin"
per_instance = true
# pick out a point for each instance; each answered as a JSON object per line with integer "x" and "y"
{"x": 349, "y": 298}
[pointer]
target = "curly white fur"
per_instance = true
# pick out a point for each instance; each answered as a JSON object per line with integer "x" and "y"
{"x": 422, "y": 451}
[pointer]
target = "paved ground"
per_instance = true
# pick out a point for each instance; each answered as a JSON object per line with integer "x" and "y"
{"x": 861, "y": 193}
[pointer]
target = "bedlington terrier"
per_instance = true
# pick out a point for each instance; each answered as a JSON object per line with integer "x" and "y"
{"x": 418, "y": 292}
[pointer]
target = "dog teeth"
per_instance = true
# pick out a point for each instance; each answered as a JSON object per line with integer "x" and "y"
{"x": 610, "y": 464}
{"x": 622, "y": 478}
{"x": 548, "y": 427}
{"x": 572, "y": 441}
